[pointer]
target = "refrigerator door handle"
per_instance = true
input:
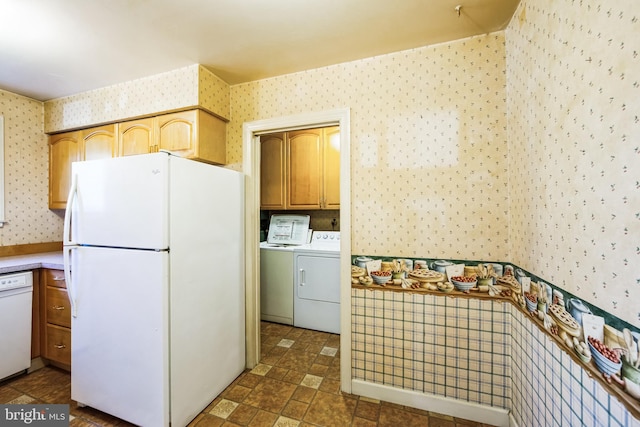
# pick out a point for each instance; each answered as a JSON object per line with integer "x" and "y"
{"x": 73, "y": 192}
{"x": 69, "y": 279}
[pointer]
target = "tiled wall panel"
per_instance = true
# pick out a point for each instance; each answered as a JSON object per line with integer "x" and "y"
{"x": 452, "y": 347}
{"x": 481, "y": 351}
{"x": 549, "y": 388}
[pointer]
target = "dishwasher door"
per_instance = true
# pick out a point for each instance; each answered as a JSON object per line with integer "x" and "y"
{"x": 16, "y": 294}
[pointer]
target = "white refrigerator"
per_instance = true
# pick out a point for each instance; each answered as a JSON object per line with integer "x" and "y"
{"x": 154, "y": 258}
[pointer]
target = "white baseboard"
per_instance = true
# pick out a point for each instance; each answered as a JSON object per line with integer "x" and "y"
{"x": 512, "y": 421}
{"x": 431, "y": 402}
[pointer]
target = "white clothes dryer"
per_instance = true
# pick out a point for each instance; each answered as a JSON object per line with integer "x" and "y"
{"x": 316, "y": 303}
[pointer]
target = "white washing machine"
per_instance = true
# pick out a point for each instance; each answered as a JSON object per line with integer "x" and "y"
{"x": 276, "y": 283}
{"x": 316, "y": 302}
{"x": 276, "y": 266}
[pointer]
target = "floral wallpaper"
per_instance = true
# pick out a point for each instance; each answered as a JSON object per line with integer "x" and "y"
{"x": 573, "y": 101}
{"x": 26, "y": 157}
{"x": 213, "y": 93}
{"x": 428, "y": 144}
{"x": 161, "y": 92}
{"x": 514, "y": 146}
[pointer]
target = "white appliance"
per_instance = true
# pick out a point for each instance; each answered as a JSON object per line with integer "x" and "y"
{"x": 288, "y": 229}
{"x": 316, "y": 303}
{"x": 154, "y": 263}
{"x": 276, "y": 266}
{"x": 276, "y": 283}
{"x": 16, "y": 295}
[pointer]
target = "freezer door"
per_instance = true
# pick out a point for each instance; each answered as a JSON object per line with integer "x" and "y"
{"x": 119, "y": 359}
{"x": 120, "y": 202}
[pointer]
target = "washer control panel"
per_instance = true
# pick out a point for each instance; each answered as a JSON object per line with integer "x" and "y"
{"x": 326, "y": 236}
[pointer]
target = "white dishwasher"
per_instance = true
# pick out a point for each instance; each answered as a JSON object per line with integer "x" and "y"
{"x": 16, "y": 295}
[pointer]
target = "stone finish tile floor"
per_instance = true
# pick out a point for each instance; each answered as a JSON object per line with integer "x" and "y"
{"x": 296, "y": 384}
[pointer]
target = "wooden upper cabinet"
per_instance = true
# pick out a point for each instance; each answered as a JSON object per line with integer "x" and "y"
{"x": 99, "y": 143}
{"x": 272, "y": 171}
{"x": 300, "y": 169}
{"x": 64, "y": 149}
{"x": 331, "y": 168}
{"x": 136, "y": 137}
{"x": 193, "y": 134}
{"x": 304, "y": 149}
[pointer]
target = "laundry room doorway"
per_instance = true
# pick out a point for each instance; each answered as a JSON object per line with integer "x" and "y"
{"x": 251, "y": 168}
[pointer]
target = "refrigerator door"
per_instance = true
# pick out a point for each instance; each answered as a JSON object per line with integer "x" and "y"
{"x": 120, "y": 202}
{"x": 206, "y": 284}
{"x": 119, "y": 359}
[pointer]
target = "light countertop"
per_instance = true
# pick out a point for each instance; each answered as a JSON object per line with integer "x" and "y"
{"x": 14, "y": 264}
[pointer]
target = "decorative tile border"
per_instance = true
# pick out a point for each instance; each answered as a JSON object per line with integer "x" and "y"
{"x": 609, "y": 318}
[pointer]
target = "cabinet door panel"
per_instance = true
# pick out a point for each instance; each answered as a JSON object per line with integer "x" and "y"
{"x": 64, "y": 149}
{"x": 304, "y": 167}
{"x": 331, "y": 168}
{"x": 272, "y": 171}
{"x": 58, "y": 309}
{"x": 99, "y": 143}
{"x": 178, "y": 133}
{"x": 54, "y": 278}
{"x": 58, "y": 344}
{"x": 135, "y": 137}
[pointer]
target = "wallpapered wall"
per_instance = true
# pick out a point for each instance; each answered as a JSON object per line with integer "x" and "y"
{"x": 26, "y": 174}
{"x": 428, "y": 144}
{"x": 185, "y": 87}
{"x": 573, "y": 93}
{"x": 432, "y": 173}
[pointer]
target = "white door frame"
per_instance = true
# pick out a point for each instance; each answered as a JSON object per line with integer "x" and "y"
{"x": 251, "y": 168}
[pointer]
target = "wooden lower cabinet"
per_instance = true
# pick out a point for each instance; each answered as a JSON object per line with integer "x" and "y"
{"x": 58, "y": 345}
{"x": 56, "y": 319}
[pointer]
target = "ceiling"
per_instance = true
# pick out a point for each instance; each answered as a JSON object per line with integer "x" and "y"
{"x": 54, "y": 48}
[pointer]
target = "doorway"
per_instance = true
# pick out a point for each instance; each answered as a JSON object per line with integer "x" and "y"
{"x": 251, "y": 168}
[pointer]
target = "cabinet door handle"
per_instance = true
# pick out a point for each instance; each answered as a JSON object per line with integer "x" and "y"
{"x": 58, "y": 278}
{"x": 58, "y": 307}
{"x": 59, "y": 346}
